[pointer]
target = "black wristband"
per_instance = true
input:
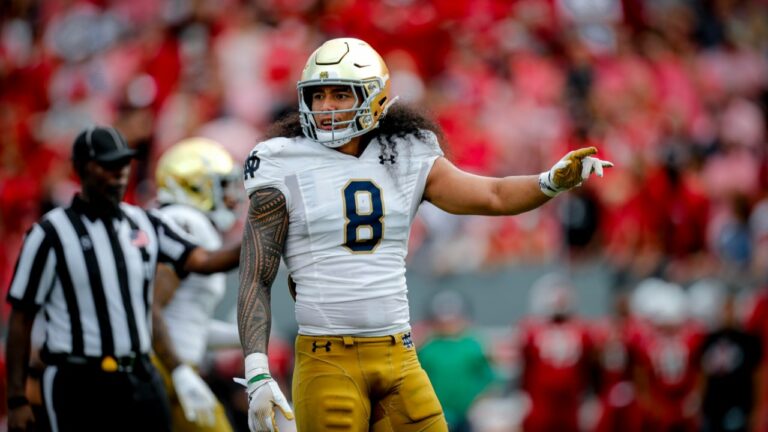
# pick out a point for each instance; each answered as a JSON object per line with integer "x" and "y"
{"x": 17, "y": 401}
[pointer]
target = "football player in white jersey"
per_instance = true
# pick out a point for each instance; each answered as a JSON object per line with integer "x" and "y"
{"x": 198, "y": 190}
{"x": 334, "y": 193}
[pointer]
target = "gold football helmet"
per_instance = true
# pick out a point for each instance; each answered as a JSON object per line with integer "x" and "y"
{"x": 200, "y": 173}
{"x": 345, "y": 62}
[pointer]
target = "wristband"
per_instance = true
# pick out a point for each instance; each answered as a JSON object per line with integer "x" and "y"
{"x": 546, "y": 186}
{"x": 255, "y": 364}
{"x": 259, "y": 377}
{"x": 17, "y": 401}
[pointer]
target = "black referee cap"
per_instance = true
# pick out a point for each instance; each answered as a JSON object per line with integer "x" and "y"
{"x": 102, "y": 144}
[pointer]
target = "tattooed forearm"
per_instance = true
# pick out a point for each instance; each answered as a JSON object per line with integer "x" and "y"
{"x": 263, "y": 241}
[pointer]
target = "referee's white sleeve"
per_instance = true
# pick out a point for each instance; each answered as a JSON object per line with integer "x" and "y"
{"x": 175, "y": 244}
{"x": 35, "y": 271}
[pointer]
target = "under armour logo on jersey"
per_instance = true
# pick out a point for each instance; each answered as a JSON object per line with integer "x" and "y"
{"x": 251, "y": 165}
{"x": 390, "y": 159}
{"x": 407, "y": 341}
{"x": 86, "y": 243}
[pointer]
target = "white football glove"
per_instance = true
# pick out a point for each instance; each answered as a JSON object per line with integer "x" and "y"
{"x": 571, "y": 171}
{"x": 263, "y": 395}
{"x": 195, "y": 397}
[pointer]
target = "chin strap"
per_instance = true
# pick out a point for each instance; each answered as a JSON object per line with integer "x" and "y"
{"x": 334, "y": 143}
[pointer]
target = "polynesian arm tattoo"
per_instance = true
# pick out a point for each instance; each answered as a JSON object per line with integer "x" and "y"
{"x": 263, "y": 240}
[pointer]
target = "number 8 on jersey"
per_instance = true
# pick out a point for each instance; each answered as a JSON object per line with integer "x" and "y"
{"x": 363, "y": 211}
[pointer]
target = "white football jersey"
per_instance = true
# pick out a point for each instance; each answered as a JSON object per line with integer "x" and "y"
{"x": 191, "y": 308}
{"x": 349, "y": 221}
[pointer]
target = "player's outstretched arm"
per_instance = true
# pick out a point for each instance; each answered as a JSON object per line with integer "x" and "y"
{"x": 264, "y": 236}
{"x": 205, "y": 261}
{"x": 166, "y": 282}
{"x": 459, "y": 192}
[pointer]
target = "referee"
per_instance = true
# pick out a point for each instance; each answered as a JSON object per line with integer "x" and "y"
{"x": 90, "y": 267}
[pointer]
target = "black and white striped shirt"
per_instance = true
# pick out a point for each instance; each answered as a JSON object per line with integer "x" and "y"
{"x": 92, "y": 274}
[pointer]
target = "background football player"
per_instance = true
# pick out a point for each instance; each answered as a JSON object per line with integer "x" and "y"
{"x": 198, "y": 189}
{"x": 666, "y": 369}
{"x": 558, "y": 356}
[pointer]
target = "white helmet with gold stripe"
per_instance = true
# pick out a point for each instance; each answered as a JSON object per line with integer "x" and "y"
{"x": 345, "y": 62}
{"x": 200, "y": 173}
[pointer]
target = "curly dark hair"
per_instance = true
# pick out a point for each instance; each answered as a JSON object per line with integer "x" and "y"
{"x": 287, "y": 126}
{"x": 401, "y": 121}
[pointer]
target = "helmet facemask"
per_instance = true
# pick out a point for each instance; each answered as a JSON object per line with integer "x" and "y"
{"x": 342, "y": 131}
{"x": 225, "y": 189}
{"x": 207, "y": 195}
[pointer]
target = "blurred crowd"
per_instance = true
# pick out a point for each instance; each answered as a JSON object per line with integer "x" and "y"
{"x": 667, "y": 358}
{"x": 674, "y": 92}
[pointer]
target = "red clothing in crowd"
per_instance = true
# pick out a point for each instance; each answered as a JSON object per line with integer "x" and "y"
{"x": 679, "y": 211}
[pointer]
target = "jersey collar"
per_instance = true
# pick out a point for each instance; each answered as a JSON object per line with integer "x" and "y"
{"x": 95, "y": 211}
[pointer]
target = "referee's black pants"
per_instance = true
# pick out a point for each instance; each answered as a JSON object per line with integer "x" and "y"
{"x": 80, "y": 398}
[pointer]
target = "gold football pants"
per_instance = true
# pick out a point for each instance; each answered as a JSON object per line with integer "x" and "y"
{"x": 180, "y": 422}
{"x": 345, "y": 383}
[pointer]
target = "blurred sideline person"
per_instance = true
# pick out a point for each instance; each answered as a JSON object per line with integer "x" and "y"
{"x": 454, "y": 359}
{"x": 334, "y": 192}
{"x": 612, "y": 337}
{"x": 90, "y": 268}
{"x": 730, "y": 360}
{"x": 34, "y": 389}
{"x": 756, "y": 322}
{"x": 666, "y": 371}
{"x": 198, "y": 189}
{"x": 557, "y": 355}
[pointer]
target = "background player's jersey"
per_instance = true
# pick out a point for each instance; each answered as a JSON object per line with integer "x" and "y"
{"x": 189, "y": 311}
{"x": 349, "y": 221}
{"x": 556, "y": 358}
